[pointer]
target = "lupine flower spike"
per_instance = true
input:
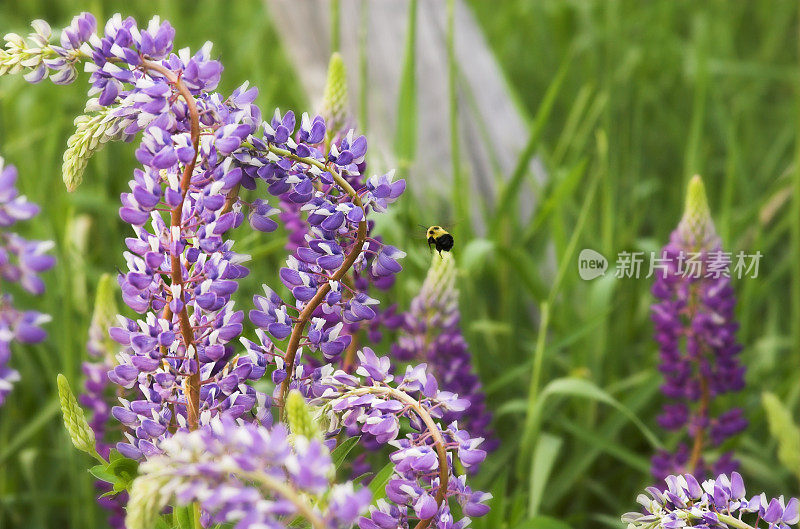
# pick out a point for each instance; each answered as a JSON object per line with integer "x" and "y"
{"x": 719, "y": 503}
{"x": 179, "y": 359}
{"x": 431, "y": 333}
{"x": 696, "y": 333}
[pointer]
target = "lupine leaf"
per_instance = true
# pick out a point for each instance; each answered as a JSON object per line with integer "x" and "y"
{"x": 120, "y": 471}
{"x": 378, "y": 485}
{"x": 784, "y": 430}
{"x": 339, "y": 454}
{"x": 183, "y": 517}
{"x": 406, "y": 135}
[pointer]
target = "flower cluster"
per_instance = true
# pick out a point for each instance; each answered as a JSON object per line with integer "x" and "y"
{"x": 431, "y": 334}
{"x": 247, "y": 475}
{"x": 38, "y": 58}
{"x": 372, "y": 402}
{"x": 21, "y": 261}
{"x": 696, "y": 333}
{"x": 324, "y": 273}
{"x": 197, "y": 149}
{"x": 324, "y": 242}
{"x": 359, "y": 280}
{"x": 713, "y": 504}
{"x": 193, "y": 416}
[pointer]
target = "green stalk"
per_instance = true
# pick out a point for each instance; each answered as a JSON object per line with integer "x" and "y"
{"x": 336, "y": 32}
{"x": 796, "y": 235}
{"x": 406, "y": 135}
{"x": 363, "y": 66}
{"x": 533, "y": 390}
{"x": 460, "y": 187}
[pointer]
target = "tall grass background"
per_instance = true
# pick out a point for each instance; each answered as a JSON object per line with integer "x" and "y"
{"x": 625, "y": 101}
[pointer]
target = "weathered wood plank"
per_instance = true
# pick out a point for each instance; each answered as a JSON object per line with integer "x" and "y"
{"x": 486, "y": 106}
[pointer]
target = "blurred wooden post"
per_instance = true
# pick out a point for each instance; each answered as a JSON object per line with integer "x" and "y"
{"x": 493, "y": 130}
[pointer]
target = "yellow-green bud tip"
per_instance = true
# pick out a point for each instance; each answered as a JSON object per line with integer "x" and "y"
{"x": 334, "y": 100}
{"x": 696, "y": 226}
{"x": 299, "y": 416}
{"x": 105, "y": 301}
{"x": 696, "y": 201}
{"x": 80, "y": 433}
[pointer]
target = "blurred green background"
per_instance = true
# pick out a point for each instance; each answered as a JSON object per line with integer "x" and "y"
{"x": 626, "y": 100}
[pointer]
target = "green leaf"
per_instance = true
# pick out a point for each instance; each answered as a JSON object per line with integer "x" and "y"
{"x": 120, "y": 471}
{"x": 162, "y": 523}
{"x": 183, "y": 516}
{"x": 509, "y": 192}
{"x": 474, "y": 256}
{"x": 339, "y": 454}
{"x": 542, "y": 464}
{"x": 100, "y": 472}
{"x": 783, "y": 428}
{"x": 39, "y": 421}
{"x": 378, "y": 485}
{"x": 578, "y": 387}
{"x": 608, "y": 446}
{"x": 406, "y": 135}
{"x": 564, "y": 189}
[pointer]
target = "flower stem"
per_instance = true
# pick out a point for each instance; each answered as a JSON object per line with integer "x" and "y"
{"x": 733, "y": 522}
{"x": 193, "y": 382}
{"x": 273, "y": 485}
{"x": 350, "y": 259}
{"x": 433, "y": 430}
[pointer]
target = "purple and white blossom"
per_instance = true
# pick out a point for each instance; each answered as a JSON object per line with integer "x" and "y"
{"x": 372, "y": 402}
{"x": 719, "y": 503}
{"x": 191, "y": 413}
{"x": 21, "y": 262}
{"x": 245, "y": 474}
{"x": 197, "y": 148}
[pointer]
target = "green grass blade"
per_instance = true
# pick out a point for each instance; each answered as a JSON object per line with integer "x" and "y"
{"x": 406, "y": 135}
{"x": 544, "y": 459}
{"x": 507, "y": 197}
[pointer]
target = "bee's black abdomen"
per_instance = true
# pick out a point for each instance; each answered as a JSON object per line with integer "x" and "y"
{"x": 444, "y": 243}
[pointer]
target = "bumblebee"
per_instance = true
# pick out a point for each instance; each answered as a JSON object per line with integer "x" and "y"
{"x": 440, "y": 239}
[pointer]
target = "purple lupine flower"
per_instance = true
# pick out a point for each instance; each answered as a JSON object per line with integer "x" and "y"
{"x": 248, "y": 475}
{"x": 719, "y": 503}
{"x": 21, "y": 262}
{"x": 372, "y": 402}
{"x": 380, "y": 263}
{"x": 431, "y": 333}
{"x": 320, "y": 243}
{"x": 197, "y": 147}
{"x": 179, "y": 359}
{"x": 696, "y": 332}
